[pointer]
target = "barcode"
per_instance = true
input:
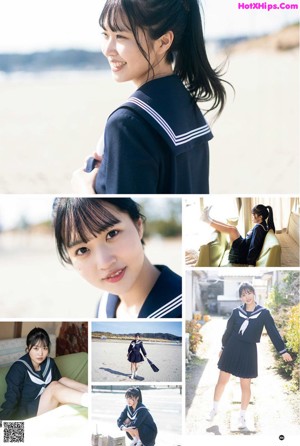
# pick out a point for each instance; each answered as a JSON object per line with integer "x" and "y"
{"x": 13, "y": 432}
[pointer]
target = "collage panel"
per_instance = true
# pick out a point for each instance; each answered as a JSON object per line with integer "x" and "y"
{"x": 261, "y": 231}
{"x": 78, "y": 256}
{"x": 242, "y": 354}
{"x": 136, "y": 352}
{"x": 143, "y": 415}
{"x": 44, "y": 377}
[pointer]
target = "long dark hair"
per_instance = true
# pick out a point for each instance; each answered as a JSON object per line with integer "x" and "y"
{"x": 267, "y": 214}
{"x": 76, "y": 217}
{"x": 38, "y": 335}
{"x": 183, "y": 17}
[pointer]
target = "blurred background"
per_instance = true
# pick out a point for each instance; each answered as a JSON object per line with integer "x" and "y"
{"x": 33, "y": 281}
{"x": 56, "y": 93}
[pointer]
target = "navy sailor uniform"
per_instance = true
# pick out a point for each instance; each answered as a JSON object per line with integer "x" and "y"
{"x": 243, "y": 331}
{"x": 25, "y": 387}
{"x": 141, "y": 419}
{"x": 156, "y": 143}
{"x": 134, "y": 351}
{"x": 163, "y": 301}
{"x": 247, "y": 250}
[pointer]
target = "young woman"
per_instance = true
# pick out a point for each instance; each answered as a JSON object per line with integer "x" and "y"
{"x": 136, "y": 420}
{"x": 134, "y": 354}
{"x": 157, "y": 141}
{"x": 239, "y": 353}
{"x": 35, "y": 385}
{"x": 245, "y": 250}
{"x": 103, "y": 239}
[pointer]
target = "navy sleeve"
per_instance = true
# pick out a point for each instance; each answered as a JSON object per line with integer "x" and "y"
{"x": 228, "y": 330}
{"x": 15, "y": 382}
{"x": 122, "y": 418}
{"x": 274, "y": 333}
{"x": 130, "y": 348}
{"x": 256, "y": 244}
{"x": 143, "y": 350}
{"x": 132, "y": 158}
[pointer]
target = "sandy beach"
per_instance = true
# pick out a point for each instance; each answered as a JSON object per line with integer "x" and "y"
{"x": 50, "y": 123}
{"x": 109, "y": 362}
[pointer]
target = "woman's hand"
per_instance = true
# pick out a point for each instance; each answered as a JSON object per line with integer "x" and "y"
{"x": 84, "y": 182}
{"x": 286, "y": 357}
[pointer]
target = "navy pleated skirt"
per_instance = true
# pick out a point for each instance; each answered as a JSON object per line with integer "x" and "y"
{"x": 239, "y": 358}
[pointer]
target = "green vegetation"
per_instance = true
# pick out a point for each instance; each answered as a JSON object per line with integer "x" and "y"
{"x": 283, "y": 301}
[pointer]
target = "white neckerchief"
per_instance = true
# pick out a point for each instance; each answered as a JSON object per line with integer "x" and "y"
{"x": 246, "y": 322}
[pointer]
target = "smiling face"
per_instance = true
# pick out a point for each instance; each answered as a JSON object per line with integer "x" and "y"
{"x": 248, "y": 298}
{"x": 112, "y": 260}
{"x": 38, "y": 353}
{"x": 125, "y": 57}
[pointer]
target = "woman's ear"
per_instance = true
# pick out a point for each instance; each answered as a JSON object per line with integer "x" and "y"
{"x": 164, "y": 43}
{"x": 140, "y": 227}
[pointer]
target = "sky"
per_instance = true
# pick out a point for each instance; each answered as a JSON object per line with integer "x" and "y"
{"x": 31, "y": 25}
{"x": 174, "y": 328}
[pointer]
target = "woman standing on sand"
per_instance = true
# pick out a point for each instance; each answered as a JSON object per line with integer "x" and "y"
{"x": 136, "y": 420}
{"x": 246, "y": 250}
{"x": 239, "y": 352}
{"x": 134, "y": 355}
{"x": 157, "y": 141}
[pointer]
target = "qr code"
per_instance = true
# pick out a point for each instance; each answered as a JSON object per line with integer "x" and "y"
{"x": 13, "y": 432}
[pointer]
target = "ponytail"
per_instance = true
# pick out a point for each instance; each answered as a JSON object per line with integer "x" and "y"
{"x": 183, "y": 18}
{"x": 271, "y": 224}
{"x": 192, "y": 64}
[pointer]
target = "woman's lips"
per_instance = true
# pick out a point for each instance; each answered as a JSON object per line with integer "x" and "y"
{"x": 116, "y": 65}
{"x": 116, "y": 276}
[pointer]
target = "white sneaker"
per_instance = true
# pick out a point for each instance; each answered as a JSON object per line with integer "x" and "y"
{"x": 242, "y": 422}
{"x": 211, "y": 415}
{"x": 139, "y": 443}
{"x": 205, "y": 214}
{"x": 134, "y": 442}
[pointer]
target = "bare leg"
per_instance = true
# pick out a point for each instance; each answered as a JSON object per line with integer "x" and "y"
{"x": 134, "y": 433}
{"x": 220, "y": 386}
{"x": 220, "y": 226}
{"x": 72, "y": 384}
{"x": 246, "y": 392}
{"x": 219, "y": 389}
{"x": 56, "y": 394}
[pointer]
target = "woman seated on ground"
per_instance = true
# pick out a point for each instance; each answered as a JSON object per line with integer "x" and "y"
{"x": 245, "y": 250}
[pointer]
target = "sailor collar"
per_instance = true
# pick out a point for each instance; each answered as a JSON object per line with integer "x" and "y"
{"x": 182, "y": 130}
{"x": 248, "y": 315}
{"x": 162, "y": 299}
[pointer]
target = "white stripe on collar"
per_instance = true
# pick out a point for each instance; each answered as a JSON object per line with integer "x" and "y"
{"x": 176, "y": 139}
{"x": 167, "y": 308}
{"x": 102, "y": 306}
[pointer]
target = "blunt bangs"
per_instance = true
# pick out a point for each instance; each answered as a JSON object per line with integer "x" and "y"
{"x": 80, "y": 220}
{"x": 114, "y": 17}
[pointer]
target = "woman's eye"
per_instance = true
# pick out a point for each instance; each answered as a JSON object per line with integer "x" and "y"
{"x": 112, "y": 234}
{"x": 81, "y": 251}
